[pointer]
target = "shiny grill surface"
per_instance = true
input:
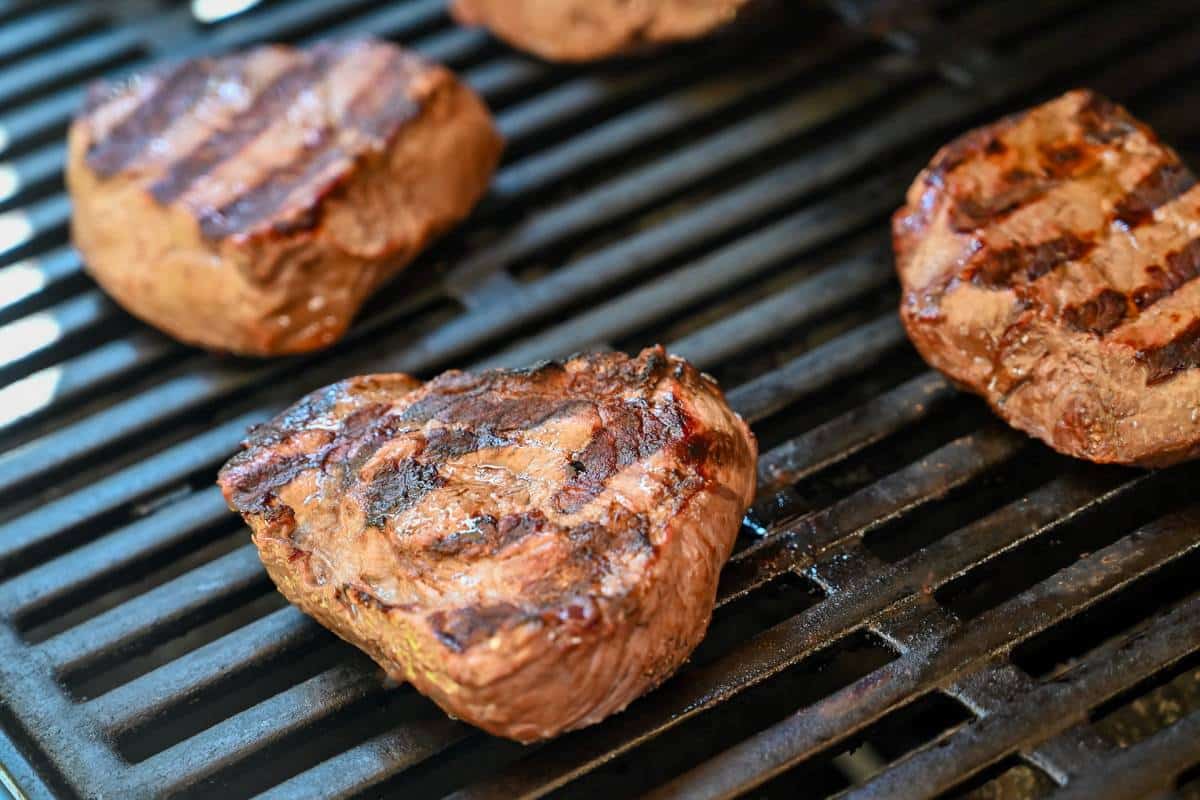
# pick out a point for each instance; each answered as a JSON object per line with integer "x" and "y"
{"x": 922, "y": 602}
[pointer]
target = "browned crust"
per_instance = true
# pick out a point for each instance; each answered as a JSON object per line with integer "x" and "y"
{"x": 1064, "y": 371}
{"x": 292, "y": 281}
{"x": 496, "y": 663}
{"x": 588, "y": 30}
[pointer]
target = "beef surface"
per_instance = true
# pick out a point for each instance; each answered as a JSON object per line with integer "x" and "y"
{"x": 251, "y": 203}
{"x": 584, "y": 30}
{"x": 532, "y": 549}
{"x": 1048, "y": 263}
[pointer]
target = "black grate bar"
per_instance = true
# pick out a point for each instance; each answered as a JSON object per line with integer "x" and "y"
{"x": 861, "y": 427}
{"x": 372, "y": 762}
{"x": 39, "y": 528}
{"x": 631, "y": 129}
{"x": 152, "y": 616}
{"x": 1144, "y": 769}
{"x": 31, "y": 173}
{"x": 939, "y": 654}
{"x": 32, "y": 336}
{"x": 76, "y": 58}
{"x": 189, "y": 676}
{"x": 986, "y": 692}
{"x": 22, "y": 283}
{"x": 818, "y": 369}
{"x": 37, "y": 29}
{"x": 36, "y": 225}
{"x": 1051, "y": 708}
{"x": 81, "y": 569}
{"x": 734, "y": 265}
{"x": 260, "y": 726}
{"x": 81, "y": 377}
{"x": 642, "y": 187}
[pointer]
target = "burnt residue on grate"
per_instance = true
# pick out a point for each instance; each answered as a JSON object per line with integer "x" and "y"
{"x": 922, "y": 603}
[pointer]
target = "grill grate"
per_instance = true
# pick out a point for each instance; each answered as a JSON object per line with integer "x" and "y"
{"x": 922, "y": 602}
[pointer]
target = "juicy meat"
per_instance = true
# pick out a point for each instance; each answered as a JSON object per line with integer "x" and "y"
{"x": 251, "y": 203}
{"x": 1048, "y": 263}
{"x": 583, "y": 30}
{"x": 532, "y": 549}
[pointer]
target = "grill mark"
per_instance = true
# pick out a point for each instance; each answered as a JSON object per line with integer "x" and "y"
{"x": 398, "y": 487}
{"x": 253, "y": 476}
{"x": 1166, "y": 361}
{"x": 269, "y": 198}
{"x": 972, "y": 213}
{"x": 374, "y": 112}
{"x": 565, "y": 597}
{"x": 270, "y": 103}
{"x": 1166, "y": 182}
{"x": 177, "y": 93}
{"x": 474, "y": 410}
{"x": 487, "y": 535}
{"x": 1103, "y": 121}
{"x": 1000, "y": 269}
{"x": 460, "y": 628}
{"x": 629, "y": 432}
{"x": 444, "y": 443}
{"x": 1099, "y": 315}
{"x": 1181, "y": 266}
{"x": 1106, "y": 311}
{"x": 377, "y": 113}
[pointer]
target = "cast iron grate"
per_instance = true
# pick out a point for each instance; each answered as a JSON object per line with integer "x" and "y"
{"x": 922, "y": 603}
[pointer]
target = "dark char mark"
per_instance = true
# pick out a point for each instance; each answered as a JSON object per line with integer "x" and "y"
{"x": 397, "y": 487}
{"x": 972, "y": 213}
{"x": 381, "y": 106}
{"x": 1099, "y": 315}
{"x": 562, "y": 598}
{"x": 487, "y": 535}
{"x": 270, "y": 104}
{"x": 1000, "y": 269}
{"x": 1108, "y": 309}
{"x": 1181, "y": 353}
{"x": 1178, "y": 268}
{"x": 628, "y": 433}
{"x": 1103, "y": 121}
{"x": 177, "y": 92}
{"x": 1167, "y": 182}
{"x": 269, "y": 198}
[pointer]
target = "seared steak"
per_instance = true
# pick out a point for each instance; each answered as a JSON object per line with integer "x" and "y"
{"x": 251, "y": 203}
{"x": 583, "y": 30}
{"x": 532, "y": 549}
{"x": 1048, "y": 263}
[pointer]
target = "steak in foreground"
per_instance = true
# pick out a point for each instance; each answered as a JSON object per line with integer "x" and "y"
{"x": 531, "y": 549}
{"x": 251, "y": 203}
{"x": 1049, "y": 263}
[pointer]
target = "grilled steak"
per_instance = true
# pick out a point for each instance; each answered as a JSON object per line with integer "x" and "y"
{"x": 1048, "y": 263}
{"x": 583, "y": 30}
{"x": 532, "y": 549}
{"x": 251, "y": 203}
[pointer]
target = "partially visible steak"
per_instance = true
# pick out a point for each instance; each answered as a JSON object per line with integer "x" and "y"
{"x": 251, "y": 203}
{"x": 532, "y": 549}
{"x": 1048, "y": 263}
{"x": 584, "y": 30}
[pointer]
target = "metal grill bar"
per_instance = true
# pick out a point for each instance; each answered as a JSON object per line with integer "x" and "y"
{"x": 800, "y": 128}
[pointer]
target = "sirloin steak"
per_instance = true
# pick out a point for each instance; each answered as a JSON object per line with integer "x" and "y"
{"x": 251, "y": 203}
{"x": 1048, "y": 263}
{"x": 531, "y": 549}
{"x": 585, "y": 30}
